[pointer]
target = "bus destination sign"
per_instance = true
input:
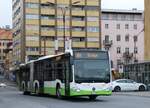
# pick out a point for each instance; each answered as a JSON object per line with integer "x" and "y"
{"x": 90, "y": 55}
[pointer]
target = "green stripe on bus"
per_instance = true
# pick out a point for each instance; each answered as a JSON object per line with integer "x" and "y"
{"x": 84, "y": 92}
{"x": 52, "y": 91}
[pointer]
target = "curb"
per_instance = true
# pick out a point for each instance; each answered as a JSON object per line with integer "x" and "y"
{"x": 137, "y": 95}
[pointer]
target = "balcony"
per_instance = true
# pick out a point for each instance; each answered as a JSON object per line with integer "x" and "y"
{"x": 47, "y": 22}
{"x": 45, "y": 1}
{"x": 108, "y": 43}
{"x": 48, "y": 11}
{"x": 127, "y": 55}
{"x": 78, "y": 23}
{"x": 78, "y": 12}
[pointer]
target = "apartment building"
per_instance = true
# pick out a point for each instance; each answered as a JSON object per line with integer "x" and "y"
{"x": 5, "y": 39}
{"x": 123, "y": 36}
{"x": 39, "y": 24}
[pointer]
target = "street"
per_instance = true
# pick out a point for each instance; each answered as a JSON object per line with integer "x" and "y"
{"x": 10, "y": 97}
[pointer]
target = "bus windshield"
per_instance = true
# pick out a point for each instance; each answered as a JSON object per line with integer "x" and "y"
{"x": 92, "y": 71}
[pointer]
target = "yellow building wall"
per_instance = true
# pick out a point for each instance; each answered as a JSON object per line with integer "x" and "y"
{"x": 147, "y": 30}
{"x": 49, "y": 33}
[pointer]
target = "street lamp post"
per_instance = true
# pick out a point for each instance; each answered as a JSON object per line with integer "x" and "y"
{"x": 64, "y": 10}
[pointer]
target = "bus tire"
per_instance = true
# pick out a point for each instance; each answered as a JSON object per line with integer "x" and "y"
{"x": 92, "y": 97}
{"x": 24, "y": 90}
{"x": 26, "y": 93}
{"x": 58, "y": 93}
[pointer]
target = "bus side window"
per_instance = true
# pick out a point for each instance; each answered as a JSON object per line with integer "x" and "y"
{"x": 71, "y": 61}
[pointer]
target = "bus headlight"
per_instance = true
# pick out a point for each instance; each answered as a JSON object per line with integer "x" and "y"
{"x": 109, "y": 87}
{"x": 76, "y": 89}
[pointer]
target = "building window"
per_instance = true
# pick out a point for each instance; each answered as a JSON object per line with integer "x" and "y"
{"x": 78, "y": 28}
{"x": 81, "y": 18}
{"x": 118, "y": 38}
{"x": 106, "y": 38}
{"x": 33, "y": 49}
{"x": 126, "y": 26}
{"x": 75, "y": 7}
{"x": 114, "y": 17}
{"x": 118, "y": 26}
{"x": 135, "y": 26}
{"x": 118, "y": 50}
{"x": 32, "y": 5}
{"x": 135, "y": 38}
{"x": 135, "y": 50}
{"x": 118, "y": 62}
{"x": 61, "y": 28}
{"x": 92, "y": 18}
{"x": 32, "y": 16}
{"x": 127, "y": 38}
{"x": 78, "y": 39}
{"x": 92, "y": 8}
{"x": 47, "y": 27}
{"x": 106, "y": 26}
{"x": 48, "y": 17}
{"x": 32, "y": 38}
{"x": 123, "y": 17}
{"x": 93, "y": 29}
{"x": 32, "y": 27}
{"x": 93, "y": 39}
{"x": 127, "y": 50}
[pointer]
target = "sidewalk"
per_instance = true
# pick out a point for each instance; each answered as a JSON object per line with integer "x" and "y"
{"x": 141, "y": 94}
{"x": 7, "y": 82}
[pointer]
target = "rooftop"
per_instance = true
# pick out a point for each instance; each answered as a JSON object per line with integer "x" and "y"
{"x": 121, "y": 11}
{"x": 5, "y": 33}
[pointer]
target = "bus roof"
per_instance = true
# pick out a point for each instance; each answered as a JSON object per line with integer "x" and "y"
{"x": 90, "y": 50}
{"x": 50, "y": 56}
{"x": 75, "y": 50}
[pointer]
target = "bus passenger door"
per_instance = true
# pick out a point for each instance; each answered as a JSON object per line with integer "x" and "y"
{"x": 67, "y": 78}
{"x": 31, "y": 76}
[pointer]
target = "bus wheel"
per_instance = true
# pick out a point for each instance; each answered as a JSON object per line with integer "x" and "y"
{"x": 92, "y": 97}
{"x": 26, "y": 93}
{"x": 58, "y": 93}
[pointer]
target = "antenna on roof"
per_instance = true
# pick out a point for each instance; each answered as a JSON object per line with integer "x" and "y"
{"x": 7, "y": 27}
{"x": 134, "y": 9}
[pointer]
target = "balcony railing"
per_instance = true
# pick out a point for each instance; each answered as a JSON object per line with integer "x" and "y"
{"x": 127, "y": 55}
{"x": 107, "y": 44}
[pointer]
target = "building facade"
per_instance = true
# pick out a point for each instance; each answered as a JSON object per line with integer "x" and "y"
{"x": 147, "y": 29}
{"x": 5, "y": 39}
{"x": 39, "y": 24}
{"x": 123, "y": 36}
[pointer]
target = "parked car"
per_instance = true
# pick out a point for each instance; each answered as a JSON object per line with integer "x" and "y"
{"x": 127, "y": 85}
{"x": 2, "y": 85}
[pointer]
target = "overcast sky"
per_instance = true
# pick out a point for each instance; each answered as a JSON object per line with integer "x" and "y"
{"x": 6, "y": 14}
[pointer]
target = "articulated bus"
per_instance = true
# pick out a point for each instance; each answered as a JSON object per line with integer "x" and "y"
{"x": 82, "y": 73}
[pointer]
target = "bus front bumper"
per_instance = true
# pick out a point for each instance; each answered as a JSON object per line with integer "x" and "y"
{"x": 88, "y": 93}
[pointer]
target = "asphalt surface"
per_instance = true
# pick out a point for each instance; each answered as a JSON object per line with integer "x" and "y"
{"x": 10, "y": 97}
